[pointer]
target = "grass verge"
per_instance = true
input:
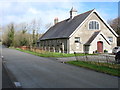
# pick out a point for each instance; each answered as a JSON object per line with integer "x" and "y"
{"x": 52, "y": 54}
{"x": 100, "y": 67}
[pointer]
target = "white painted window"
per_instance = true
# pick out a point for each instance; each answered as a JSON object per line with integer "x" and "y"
{"x": 110, "y": 39}
{"x": 77, "y": 39}
{"x": 94, "y": 25}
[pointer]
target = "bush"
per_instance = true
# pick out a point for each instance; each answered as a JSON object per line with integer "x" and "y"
{"x": 105, "y": 51}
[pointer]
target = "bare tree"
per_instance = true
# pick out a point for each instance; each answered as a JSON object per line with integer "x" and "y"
{"x": 0, "y": 34}
{"x": 34, "y": 27}
{"x": 115, "y": 24}
{"x": 48, "y": 25}
{"x": 22, "y": 34}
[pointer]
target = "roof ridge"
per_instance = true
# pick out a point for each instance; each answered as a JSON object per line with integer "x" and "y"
{"x": 85, "y": 12}
{"x": 78, "y": 15}
{"x": 65, "y": 28}
{"x": 75, "y": 16}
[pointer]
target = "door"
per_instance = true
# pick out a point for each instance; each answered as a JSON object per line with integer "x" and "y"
{"x": 86, "y": 48}
{"x": 100, "y": 46}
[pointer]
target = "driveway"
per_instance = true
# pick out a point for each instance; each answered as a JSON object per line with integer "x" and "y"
{"x": 38, "y": 72}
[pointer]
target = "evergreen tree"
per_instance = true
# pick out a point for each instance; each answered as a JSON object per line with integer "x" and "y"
{"x": 10, "y": 38}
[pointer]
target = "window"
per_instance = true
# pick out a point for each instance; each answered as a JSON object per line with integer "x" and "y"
{"x": 110, "y": 39}
{"x": 49, "y": 42}
{"x": 44, "y": 43}
{"x": 93, "y": 25}
{"x": 77, "y": 39}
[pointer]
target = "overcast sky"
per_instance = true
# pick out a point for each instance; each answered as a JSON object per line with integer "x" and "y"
{"x": 25, "y": 10}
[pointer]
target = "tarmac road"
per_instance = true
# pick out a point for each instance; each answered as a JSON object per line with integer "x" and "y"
{"x": 6, "y": 81}
{"x": 0, "y": 73}
{"x": 38, "y": 72}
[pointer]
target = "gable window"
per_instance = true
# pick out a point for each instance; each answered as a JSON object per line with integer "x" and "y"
{"x": 77, "y": 39}
{"x": 110, "y": 39}
{"x": 94, "y": 25}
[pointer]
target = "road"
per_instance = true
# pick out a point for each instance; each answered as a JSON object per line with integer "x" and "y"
{"x": 38, "y": 72}
{"x": 6, "y": 81}
{"x": 0, "y": 73}
{"x": 0, "y": 67}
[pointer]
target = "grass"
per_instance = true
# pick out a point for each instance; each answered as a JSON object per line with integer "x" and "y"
{"x": 52, "y": 54}
{"x": 100, "y": 67}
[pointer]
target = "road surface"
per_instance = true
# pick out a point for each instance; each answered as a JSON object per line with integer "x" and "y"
{"x": 0, "y": 73}
{"x": 6, "y": 81}
{"x": 0, "y": 67}
{"x": 38, "y": 72}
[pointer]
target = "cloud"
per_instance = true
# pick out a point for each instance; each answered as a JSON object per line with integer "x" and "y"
{"x": 33, "y": 11}
{"x": 20, "y": 11}
{"x": 14, "y": 11}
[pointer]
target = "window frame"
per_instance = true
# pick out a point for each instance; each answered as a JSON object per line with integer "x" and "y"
{"x": 109, "y": 38}
{"x": 75, "y": 40}
{"x": 93, "y": 26}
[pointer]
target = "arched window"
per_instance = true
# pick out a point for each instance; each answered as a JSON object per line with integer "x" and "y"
{"x": 94, "y": 25}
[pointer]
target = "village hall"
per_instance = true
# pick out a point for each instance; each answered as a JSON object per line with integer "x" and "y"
{"x": 87, "y": 32}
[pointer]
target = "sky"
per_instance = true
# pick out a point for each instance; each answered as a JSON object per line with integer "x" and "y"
{"x": 19, "y": 11}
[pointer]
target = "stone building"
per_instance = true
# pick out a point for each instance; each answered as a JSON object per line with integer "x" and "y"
{"x": 84, "y": 33}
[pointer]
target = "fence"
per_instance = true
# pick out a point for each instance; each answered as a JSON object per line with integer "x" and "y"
{"x": 34, "y": 49}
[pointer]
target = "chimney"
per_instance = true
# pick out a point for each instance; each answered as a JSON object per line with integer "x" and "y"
{"x": 56, "y": 20}
{"x": 73, "y": 13}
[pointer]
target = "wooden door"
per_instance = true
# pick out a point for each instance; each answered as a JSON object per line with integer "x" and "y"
{"x": 100, "y": 46}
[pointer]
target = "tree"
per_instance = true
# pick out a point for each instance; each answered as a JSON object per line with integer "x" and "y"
{"x": 10, "y": 35}
{"x": 34, "y": 27}
{"x": 0, "y": 34}
{"x": 48, "y": 25}
{"x": 33, "y": 37}
{"x": 23, "y": 40}
{"x": 115, "y": 24}
{"x": 21, "y": 34}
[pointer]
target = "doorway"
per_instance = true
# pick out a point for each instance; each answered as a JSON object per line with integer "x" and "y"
{"x": 100, "y": 47}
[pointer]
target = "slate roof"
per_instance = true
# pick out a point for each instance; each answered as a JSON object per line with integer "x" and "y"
{"x": 92, "y": 38}
{"x": 65, "y": 28}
